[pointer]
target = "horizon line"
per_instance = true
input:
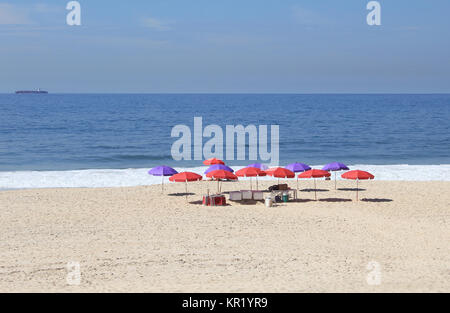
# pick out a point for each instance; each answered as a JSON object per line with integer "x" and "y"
{"x": 238, "y": 93}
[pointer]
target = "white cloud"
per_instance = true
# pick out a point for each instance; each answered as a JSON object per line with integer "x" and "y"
{"x": 156, "y": 24}
{"x": 12, "y": 15}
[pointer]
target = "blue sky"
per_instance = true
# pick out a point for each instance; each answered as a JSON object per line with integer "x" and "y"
{"x": 257, "y": 46}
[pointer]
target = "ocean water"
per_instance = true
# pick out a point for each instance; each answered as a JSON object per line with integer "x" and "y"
{"x": 109, "y": 140}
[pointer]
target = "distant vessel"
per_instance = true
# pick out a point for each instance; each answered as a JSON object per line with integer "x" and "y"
{"x": 32, "y": 91}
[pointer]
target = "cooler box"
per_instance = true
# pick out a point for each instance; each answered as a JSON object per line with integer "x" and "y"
{"x": 247, "y": 195}
{"x": 258, "y": 195}
{"x": 206, "y": 200}
{"x": 218, "y": 200}
{"x": 235, "y": 196}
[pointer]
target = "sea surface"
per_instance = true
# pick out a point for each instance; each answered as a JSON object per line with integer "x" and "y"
{"x": 48, "y": 138}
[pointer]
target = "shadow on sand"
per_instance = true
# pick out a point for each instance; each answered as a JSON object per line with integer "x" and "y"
{"x": 301, "y": 200}
{"x": 314, "y": 190}
{"x": 335, "y": 200}
{"x": 181, "y": 194}
{"x": 351, "y": 189}
{"x": 376, "y": 200}
{"x": 247, "y": 202}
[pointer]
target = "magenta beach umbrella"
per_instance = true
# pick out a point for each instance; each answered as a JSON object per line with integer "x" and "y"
{"x": 297, "y": 168}
{"x": 217, "y": 167}
{"x": 261, "y": 166}
{"x": 335, "y": 167}
{"x": 162, "y": 171}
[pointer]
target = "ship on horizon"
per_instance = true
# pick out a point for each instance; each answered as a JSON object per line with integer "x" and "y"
{"x": 37, "y": 91}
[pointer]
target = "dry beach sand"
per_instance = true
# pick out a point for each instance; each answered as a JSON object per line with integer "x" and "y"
{"x": 136, "y": 240}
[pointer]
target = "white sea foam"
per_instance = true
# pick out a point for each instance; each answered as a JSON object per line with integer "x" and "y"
{"x": 139, "y": 177}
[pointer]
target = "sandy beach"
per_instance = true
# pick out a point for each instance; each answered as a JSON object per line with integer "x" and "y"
{"x": 137, "y": 240}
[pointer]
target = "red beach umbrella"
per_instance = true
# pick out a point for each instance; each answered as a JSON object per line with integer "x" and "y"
{"x": 251, "y": 172}
{"x": 213, "y": 161}
{"x": 270, "y": 170}
{"x": 314, "y": 174}
{"x": 280, "y": 172}
{"x": 221, "y": 174}
{"x": 357, "y": 175}
{"x": 185, "y": 177}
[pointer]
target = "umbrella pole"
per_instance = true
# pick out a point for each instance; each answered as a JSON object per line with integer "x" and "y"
{"x": 218, "y": 185}
{"x": 357, "y": 189}
{"x": 335, "y": 186}
{"x": 162, "y": 184}
{"x": 256, "y": 182}
{"x": 251, "y": 188}
{"x": 186, "y": 192}
{"x": 315, "y": 189}
{"x": 297, "y": 182}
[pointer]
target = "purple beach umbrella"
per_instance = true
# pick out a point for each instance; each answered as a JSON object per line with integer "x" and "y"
{"x": 162, "y": 171}
{"x": 334, "y": 167}
{"x": 298, "y": 167}
{"x": 261, "y": 166}
{"x": 216, "y": 167}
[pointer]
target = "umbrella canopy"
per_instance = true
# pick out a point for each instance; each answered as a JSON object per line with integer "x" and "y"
{"x": 261, "y": 166}
{"x": 314, "y": 174}
{"x": 335, "y": 166}
{"x": 162, "y": 171}
{"x": 185, "y": 177}
{"x": 357, "y": 174}
{"x": 298, "y": 167}
{"x": 221, "y": 174}
{"x": 219, "y": 167}
{"x": 271, "y": 170}
{"x": 213, "y": 161}
{"x": 280, "y": 173}
{"x": 251, "y": 172}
